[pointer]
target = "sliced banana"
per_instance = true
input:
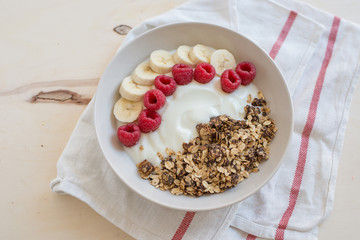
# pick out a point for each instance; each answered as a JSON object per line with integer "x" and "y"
{"x": 131, "y": 90}
{"x": 182, "y": 55}
{"x": 127, "y": 111}
{"x": 143, "y": 74}
{"x": 200, "y": 53}
{"x": 222, "y": 59}
{"x": 161, "y": 61}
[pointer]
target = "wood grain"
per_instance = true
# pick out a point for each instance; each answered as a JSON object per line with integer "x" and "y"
{"x": 57, "y": 83}
{"x": 122, "y": 29}
{"x": 59, "y": 96}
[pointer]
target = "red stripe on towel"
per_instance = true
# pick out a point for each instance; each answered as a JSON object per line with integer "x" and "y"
{"x": 250, "y": 237}
{"x": 273, "y": 53}
{"x": 184, "y": 225}
{"x": 283, "y": 34}
{"x": 295, "y": 189}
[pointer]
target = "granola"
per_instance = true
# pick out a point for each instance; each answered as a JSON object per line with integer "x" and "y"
{"x": 223, "y": 154}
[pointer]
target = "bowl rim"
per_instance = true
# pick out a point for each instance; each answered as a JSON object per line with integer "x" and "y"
{"x": 219, "y": 205}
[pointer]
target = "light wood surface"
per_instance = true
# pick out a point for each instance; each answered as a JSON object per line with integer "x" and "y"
{"x": 62, "y": 45}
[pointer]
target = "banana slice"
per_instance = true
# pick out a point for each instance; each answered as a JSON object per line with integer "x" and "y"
{"x": 161, "y": 61}
{"x": 222, "y": 59}
{"x": 200, "y": 53}
{"x": 143, "y": 74}
{"x": 127, "y": 111}
{"x": 131, "y": 90}
{"x": 182, "y": 55}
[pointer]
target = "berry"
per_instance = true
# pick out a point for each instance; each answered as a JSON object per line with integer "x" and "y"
{"x": 246, "y": 71}
{"x": 182, "y": 73}
{"x": 230, "y": 81}
{"x": 129, "y": 134}
{"x": 154, "y": 99}
{"x": 204, "y": 72}
{"x": 165, "y": 84}
{"x": 149, "y": 120}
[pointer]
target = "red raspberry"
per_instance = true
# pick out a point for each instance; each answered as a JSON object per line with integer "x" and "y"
{"x": 165, "y": 84}
{"x": 149, "y": 120}
{"x": 246, "y": 71}
{"x": 230, "y": 81}
{"x": 182, "y": 73}
{"x": 154, "y": 99}
{"x": 204, "y": 72}
{"x": 129, "y": 134}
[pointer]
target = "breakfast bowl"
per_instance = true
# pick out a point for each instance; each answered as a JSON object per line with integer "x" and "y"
{"x": 269, "y": 81}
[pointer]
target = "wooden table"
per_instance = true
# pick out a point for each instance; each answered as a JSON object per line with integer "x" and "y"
{"x": 56, "y": 50}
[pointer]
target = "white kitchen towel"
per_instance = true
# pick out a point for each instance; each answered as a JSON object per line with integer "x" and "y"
{"x": 319, "y": 58}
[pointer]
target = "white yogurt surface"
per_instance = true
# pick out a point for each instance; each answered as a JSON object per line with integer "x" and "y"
{"x": 190, "y": 105}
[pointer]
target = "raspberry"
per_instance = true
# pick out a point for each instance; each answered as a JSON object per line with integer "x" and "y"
{"x": 246, "y": 71}
{"x": 182, "y": 73}
{"x": 165, "y": 84}
{"x": 204, "y": 72}
{"x": 230, "y": 81}
{"x": 149, "y": 120}
{"x": 154, "y": 99}
{"x": 129, "y": 134}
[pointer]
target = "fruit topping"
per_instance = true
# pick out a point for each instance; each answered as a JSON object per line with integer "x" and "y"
{"x": 230, "y": 81}
{"x": 182, "y": 55}
{"x": 200, "y": 53}
{"x": 149, "y": 120}
{"x": 165, "y": 84}
{"x": 161, "y": 61}
{"x": 154, "y": 99}
{"x": 182, "y": 73}
{"x": 222, "y": 60}
{"x": 246, "y": 71}
{"x": 143, "y": 74}
{"x": 129, "y": 134}
{"x": 154, "y": 79}
{"x": 131, "y": 90}
{"x": 127, "y": 111}
{"x": 204, "y": 73}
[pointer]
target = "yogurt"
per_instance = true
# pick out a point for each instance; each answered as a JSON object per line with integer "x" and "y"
{"x": 190, "y": 105}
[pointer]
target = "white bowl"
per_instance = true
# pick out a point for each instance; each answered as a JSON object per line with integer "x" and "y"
{"x": 268, "y": 79}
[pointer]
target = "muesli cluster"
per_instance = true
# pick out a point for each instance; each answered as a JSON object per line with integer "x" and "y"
{"x": 223, "y": 154}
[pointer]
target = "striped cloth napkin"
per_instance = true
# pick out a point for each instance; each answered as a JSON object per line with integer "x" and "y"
{"x": 319, "y": 56}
